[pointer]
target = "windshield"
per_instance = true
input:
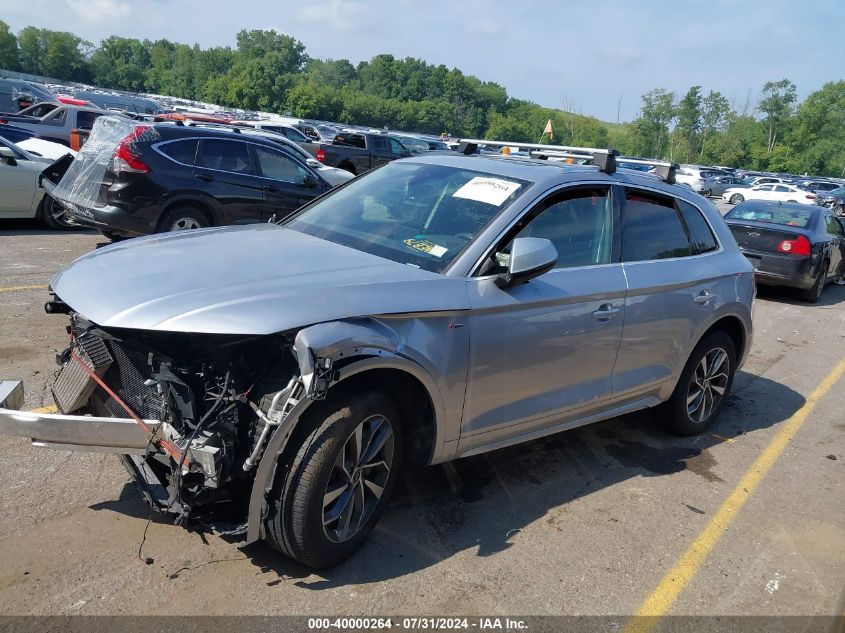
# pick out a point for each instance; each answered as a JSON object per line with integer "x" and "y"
{"x": 414, "y": 214}
{"x": 772, "y": 215}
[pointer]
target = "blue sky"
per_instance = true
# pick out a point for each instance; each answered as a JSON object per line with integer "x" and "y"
{"x": 581, "y": 55}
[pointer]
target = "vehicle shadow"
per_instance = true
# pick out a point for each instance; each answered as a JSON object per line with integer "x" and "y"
{"x": 832, "y": 295}
{"x": 483, "y": 502}
{"x": 12, "y": 228}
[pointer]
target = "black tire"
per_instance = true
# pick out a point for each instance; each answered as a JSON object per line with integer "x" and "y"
{"x": 792, "y": 201}
{"x": 814, "y": 293}
{"x": 54, "y": 214}
{"x": 678, "y": 414}
{"x": 737, "y": 198}
{"x": 348, "y": 167}
{"x": 839, "y": 210}
{"x": 297, "y": 524}
{"x": 183, "y": 218}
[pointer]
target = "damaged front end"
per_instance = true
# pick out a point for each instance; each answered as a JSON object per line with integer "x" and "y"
{"x": 189, "y": 414}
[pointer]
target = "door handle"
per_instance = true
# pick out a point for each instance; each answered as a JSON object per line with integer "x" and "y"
{"x": 704, "y": 297}
{"x": 204, "y": 177}
{"x": 605, "y": 312}
{"x": 270, "y": 188}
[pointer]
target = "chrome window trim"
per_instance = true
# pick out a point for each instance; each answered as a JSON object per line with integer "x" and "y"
{"x": 156, "y": 149}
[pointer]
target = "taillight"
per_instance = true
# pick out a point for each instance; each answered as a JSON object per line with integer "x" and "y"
{"x": 321, "y": 155}
{"x": 125, "y": 159}
{"x": 810, "y": 196}
{"x": 798, "y": 246}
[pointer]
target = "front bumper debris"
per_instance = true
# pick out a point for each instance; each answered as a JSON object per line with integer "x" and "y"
{"x": 122, "y": 436}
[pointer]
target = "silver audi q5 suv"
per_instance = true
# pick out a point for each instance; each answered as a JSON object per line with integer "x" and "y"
{"x": 272, "y": 380}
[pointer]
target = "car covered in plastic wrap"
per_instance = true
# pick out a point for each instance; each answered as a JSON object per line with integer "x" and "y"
{"x": 271, "y": 380}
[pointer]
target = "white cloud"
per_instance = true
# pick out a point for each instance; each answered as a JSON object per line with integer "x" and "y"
{"x": 100, "y": 11}
{"x": 340, "y": 15}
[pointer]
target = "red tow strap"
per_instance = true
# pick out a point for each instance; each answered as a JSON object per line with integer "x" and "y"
{"x": 165, "y": 445}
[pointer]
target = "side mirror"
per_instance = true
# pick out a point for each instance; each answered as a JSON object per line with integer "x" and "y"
{"x": 310, "y": 181}
{"x": 530, "y": 257}
{"x": 8, "y": 154}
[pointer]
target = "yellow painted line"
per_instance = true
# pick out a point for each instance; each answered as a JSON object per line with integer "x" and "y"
{"x": 16, "y": 288}
{"x": 50, "y": 409}
{"x": 674, "y": 582}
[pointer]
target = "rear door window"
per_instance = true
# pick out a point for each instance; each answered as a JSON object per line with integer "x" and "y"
{"x": 225, "y": 155}
{"x": 651, "y": 228}
{"x": 701, "y": 236}
{"x": 181, "y": 151}
{"x": 379, "y": 144}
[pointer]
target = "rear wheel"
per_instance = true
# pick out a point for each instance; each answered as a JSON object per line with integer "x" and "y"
{"x": 792, "y": 201}
{"x": 813, "y": 294}
{"x": 183, "y": 219}
{"x": 704, "y": 385}
{"x": 737, "y": 198}
{"x": 54, "y": 214}
{"x": 328, "y": 498}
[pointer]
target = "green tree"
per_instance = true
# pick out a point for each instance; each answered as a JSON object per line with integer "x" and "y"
{"x": 777, "y": 104}
{"x": 688, "y": 128}
{"x": 819, "y": 133}
{"x": 53, "y": 53}
{"x": 651, "y": 128}
{"x": 9, "y": 57}
{"x": 121, "y": 62}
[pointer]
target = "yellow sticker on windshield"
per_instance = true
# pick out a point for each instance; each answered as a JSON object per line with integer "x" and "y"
{"x": 426, "y": 247}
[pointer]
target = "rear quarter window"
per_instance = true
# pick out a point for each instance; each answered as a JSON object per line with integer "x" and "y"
{"x": 181, "y": 151}
{"x": 701, "y": 236}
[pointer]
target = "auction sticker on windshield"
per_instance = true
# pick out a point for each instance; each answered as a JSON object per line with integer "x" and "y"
{"x": 426, "y": 247}
{"x": 489, "y": 190}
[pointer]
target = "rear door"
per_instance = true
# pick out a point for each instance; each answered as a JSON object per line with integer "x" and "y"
{"x": 286, "y": 183}
{"x": 224, "y": 170}
{"x": 379, "y": 151}
{"x": 674, "y": 285}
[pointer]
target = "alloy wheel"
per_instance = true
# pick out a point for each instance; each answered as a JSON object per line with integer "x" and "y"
{"x": 58, "y": 213}
{"x": 185, "y": 224}
{"x": 358, "y": 478}
{"x": 708, "y": 384}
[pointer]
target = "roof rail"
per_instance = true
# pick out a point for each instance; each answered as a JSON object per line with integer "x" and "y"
{"x": 607, "y": 160}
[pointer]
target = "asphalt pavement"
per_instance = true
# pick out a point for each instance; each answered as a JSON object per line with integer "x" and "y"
{"x": 592, "y": 521}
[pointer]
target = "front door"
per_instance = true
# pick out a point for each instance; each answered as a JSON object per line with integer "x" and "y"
{"x": 284, "y": 183}
{"x": 545, "y": 349}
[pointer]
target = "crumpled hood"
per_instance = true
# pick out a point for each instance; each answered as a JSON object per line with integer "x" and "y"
{"x": 256, "y": 279}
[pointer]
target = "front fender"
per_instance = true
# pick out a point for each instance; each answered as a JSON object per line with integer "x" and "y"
{"x": 362, "y": 345}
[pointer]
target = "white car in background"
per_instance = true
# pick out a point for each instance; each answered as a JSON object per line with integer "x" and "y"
{"x": 22, "y": 195}
{"x": 45, "y": 149}
{"x": 772, "y": 192}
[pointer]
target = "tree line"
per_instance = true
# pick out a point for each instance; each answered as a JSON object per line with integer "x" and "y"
{"x": 270, "y": 71}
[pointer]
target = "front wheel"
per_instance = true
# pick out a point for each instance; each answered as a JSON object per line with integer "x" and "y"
{"x": 737, "y": 198}
{"x": 703, "y": 387}
{"x": 327, "y": 501}
{"x": 839, "y": 210}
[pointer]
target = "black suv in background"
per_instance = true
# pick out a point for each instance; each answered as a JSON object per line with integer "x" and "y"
{"x": 167, "y": 177}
